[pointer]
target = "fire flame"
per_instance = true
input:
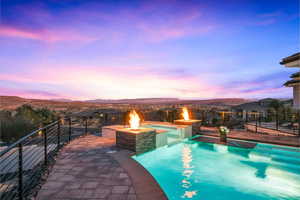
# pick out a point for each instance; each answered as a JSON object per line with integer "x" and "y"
{"x": 185, "y": 113}
{"x": 134, "y": 120}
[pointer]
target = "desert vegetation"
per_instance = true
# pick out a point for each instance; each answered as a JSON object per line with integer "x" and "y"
{"x": 15, "y": 124}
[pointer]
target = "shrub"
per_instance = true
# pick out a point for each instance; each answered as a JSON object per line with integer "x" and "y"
{"x": 14, "y": 128}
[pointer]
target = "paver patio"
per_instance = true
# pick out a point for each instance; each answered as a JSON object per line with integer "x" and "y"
{"x": 85, "y": 170}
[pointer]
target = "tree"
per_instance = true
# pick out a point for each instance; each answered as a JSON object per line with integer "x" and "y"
{"x": 23, "y": 122}
{"x": 277, "y": 106}
{"x": 13, "y": 128}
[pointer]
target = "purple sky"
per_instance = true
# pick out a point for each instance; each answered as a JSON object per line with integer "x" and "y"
{"x": 134, "y": 49}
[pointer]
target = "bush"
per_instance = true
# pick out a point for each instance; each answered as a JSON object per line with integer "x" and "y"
{"x": 14, "y": 128}
{"x": 23, "y": 122}
{"x": 215, "y": 122}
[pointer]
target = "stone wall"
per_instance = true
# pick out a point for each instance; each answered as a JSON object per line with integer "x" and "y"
{"x": 196, "y": 125}
{"x": 139, "y": 143}
{"x": 196, "y": 128}
{"x": 296, "y": 93}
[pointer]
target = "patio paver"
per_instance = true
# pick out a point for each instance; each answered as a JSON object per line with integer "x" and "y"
{"x": 85, "y": 170}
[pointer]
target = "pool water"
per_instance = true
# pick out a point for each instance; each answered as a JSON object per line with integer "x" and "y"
{"x": 173, "y": 134}
{"x": 199, "y": 170}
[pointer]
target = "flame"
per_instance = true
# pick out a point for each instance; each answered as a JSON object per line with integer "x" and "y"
{"x": 134, "y": 120}
{"x": 185, "y": 113}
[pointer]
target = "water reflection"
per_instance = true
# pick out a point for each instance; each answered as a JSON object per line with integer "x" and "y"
{"x": 187, "y": 172}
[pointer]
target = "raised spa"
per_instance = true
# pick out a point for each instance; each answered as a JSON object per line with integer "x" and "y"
{"x": 149, "y": 136}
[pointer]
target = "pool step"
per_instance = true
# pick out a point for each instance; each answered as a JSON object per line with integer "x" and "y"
{"x": 170, "y": 144}
{"x": 275, "y": 151}
{"x": 275, "y": 155}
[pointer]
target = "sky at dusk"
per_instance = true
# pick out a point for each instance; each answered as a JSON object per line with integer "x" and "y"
{"x": 83, "y": 49}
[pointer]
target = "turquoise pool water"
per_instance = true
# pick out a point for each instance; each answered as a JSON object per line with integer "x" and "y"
{"x": 173, "y": 134}
{"x": 206, "y": 171}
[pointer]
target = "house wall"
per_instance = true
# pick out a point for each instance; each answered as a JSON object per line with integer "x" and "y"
{"x": 296, "y": 93}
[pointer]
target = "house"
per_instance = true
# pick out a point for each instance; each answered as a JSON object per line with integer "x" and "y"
{"x": 260, "y": 106}
{"x": 293, "y": 61}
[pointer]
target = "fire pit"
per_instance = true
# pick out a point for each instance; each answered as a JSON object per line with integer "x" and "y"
{"x": 196, "y": 124}
{"x": 136, "y": 138}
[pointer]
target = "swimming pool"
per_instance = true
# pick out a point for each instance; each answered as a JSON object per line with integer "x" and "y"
{"x": 174, "y": 135}
{"x": 199, "y": 170}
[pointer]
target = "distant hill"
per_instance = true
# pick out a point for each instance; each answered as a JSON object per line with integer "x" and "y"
{"x": 217, "y": 102}
{"x": 223, "y": 101}
{"x": 134, "y": 101}
{"x": 13, "y": 102}
{"x": 61, "y": 100}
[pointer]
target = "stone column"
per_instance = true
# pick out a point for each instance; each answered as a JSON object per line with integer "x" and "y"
{"x": 196, "y": 125}
{"x": 139, "y": 141}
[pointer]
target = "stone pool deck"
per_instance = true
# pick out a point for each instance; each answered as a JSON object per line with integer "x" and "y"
{"x": 91, "y": 167}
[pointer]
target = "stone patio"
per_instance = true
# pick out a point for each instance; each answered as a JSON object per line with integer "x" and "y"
{"x": 85, "y": 169}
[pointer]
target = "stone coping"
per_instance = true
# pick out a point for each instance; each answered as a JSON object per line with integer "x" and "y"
{"x": 122, "y": 128}
{"x": 146, "y": 187}
{"x": 230, "y": 142}
{"x": 135, "y": 131}
{"x": 165, "y": 124}
{"x": 188, "y": 121}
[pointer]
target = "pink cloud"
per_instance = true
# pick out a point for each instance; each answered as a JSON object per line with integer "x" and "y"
{"x": 147, "y": 22}
{"x": 12, "y": 32}
{"x": 88, "y": 82}
{"x": 34, "y": 94}
{"x": 43, "y": 35}
{"x": 115, "y": 82}
{"x": 157, "y": 34}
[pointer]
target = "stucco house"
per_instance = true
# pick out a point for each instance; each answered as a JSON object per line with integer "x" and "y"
{"x": 293, "y": 61}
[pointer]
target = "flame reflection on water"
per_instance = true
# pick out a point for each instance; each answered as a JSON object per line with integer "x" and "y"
{"x": 187, "y": 172}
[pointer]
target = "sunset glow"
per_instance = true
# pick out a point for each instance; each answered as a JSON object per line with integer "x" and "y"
{"x": 139, "y": 49}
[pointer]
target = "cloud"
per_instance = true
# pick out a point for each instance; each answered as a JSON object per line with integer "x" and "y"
{"x": 114, "y": 82}
{"x": 35, "y": 94}
{"x": 87, "y": 82}
{"x": 265, "y": 85}
{"x": 43, "y": 35}
{"x": 99, "y": 21}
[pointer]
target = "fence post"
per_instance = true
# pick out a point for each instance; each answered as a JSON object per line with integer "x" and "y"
{"x": 70, "y": 129}
{"x": 45, "y": 147}
{"x": 20, "y": 186}
{"x": 86, "y": 124}
{"x": 255, "y": 123}
{"x": 299, "y": 123}
{"x": 58, "y": 133}
{"x": 277, "y": 122}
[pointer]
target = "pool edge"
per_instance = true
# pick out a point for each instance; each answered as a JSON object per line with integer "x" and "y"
{"x": 145, "y": 185}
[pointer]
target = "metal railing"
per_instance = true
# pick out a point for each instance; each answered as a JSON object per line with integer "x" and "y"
{"x": 271, "y": 121}
{"x": 23, "y": 163}
{"x": 287, "y": 127}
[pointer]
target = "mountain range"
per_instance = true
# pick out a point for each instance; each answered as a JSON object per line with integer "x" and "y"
{"x": 12, "y": 102}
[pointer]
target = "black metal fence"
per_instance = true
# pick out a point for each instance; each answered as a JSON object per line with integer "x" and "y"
{"x": 23, "y": 163}
{"x": 259, "y": 122}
